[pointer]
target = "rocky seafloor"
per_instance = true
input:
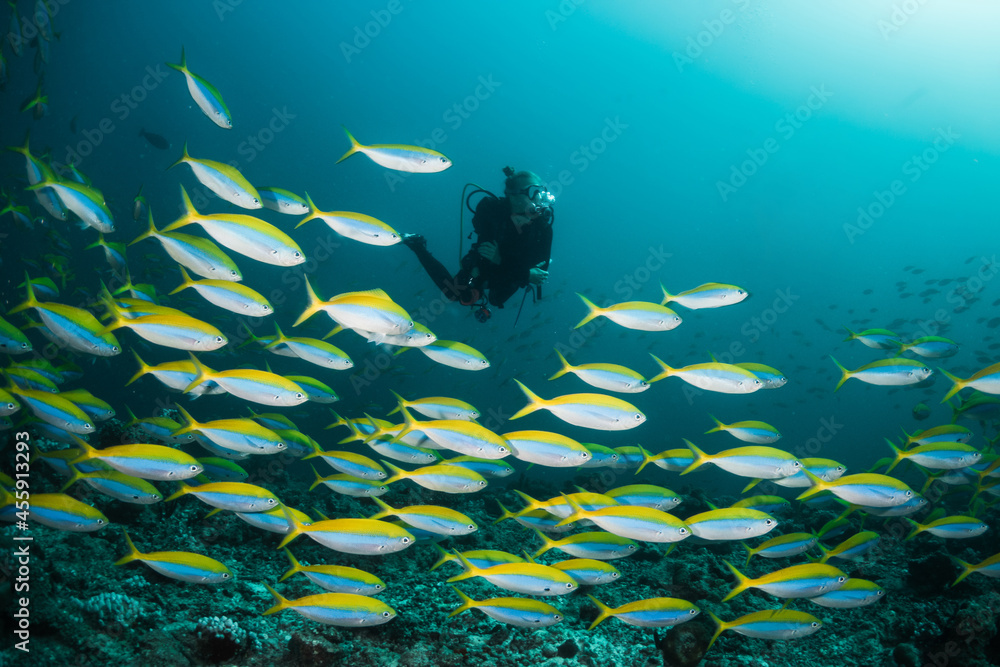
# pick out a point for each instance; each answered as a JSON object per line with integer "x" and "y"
{"x": 85, "y": 611}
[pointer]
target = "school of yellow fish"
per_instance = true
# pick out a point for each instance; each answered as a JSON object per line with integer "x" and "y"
{"x": 437, "y": 442}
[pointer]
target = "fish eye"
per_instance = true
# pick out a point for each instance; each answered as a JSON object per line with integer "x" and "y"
{"x": 406, "y": 540}
{"x": 100, "y": 522}
{"x": 378, "y": 587}
{"x": 193, "y": 468}
{"x": 502, "y": 449}
{"x": 231, "y": 272}
{"x": 614, "y": 574}
{"x": 270, "y": 501}
{"x": 256, "y": 201}
{"x": 814, "y": 624}
{"x": 87, "y": 427}
{"x": 471, "y": 526}
{"x": 841, "y": 579}
{"x": 482, "y": 483}
{"x": 879, "y": 593}
{"x": 570, "y": 585}
{"x": 220, "y": 339}
{"x": 225, "y": 575}
{"x": 683, "y": 531}
{"x": 631, "y": 547}
{"x": 768, "y": 522}
{"x": 299, "y": 394}
{"x": 385, "y": 614}
{"x": 638, "y": 416}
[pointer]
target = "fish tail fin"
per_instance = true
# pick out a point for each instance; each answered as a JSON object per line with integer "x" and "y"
{"x": 386, "y": 510}
{"x": 700, "y": 457}
{"x": 844, "y": 373}
{"x": 899, "y": 455}
{"x": 532, "y": 504}
{"x": 314, "y": 306}
{"x": 751, "y": 552}
{"x": 319, "y": 478}
{"x": 751, "y": 484}
{"x": 397, "y": 473}
{"x": 665, "y": 372}
{"x": 86, "y": 451}
{"x": 295, "y": 566}
{"x": 742, "y": 582}
{"x": 818, "y": 485}
{"x": 606, "y": 612}
{"x": 355, "y": 146}
{"x": 183, "y": 491}
{"x": 74, "y": 477}
{"x": 592, "y": 311}
{"x": 850, "y": 335}
{"x": 132, "y": 419}
{"x": 547, "y": 543}
{"x": 667, "y": 296}
{"x": 574, "y": 516}
{"x": 201, "y": 375}
{"x": 185, "y": 282}
{"x": 311, "y": 215}
{"x": 190, "y": 213}
{"x": 400, "y": 403}
{"x": 719, "y": 426}
{"x": 957, "y": 386}
{"x": 647, "y": 458}
{"x": 470, "y": 569}
{"x": 282, "y": 602}
{"x": 143, "y": 368}
{"x": 251, "y": 338}
{"x": 132, "y": 554}
{"x": 566, "y": 367}
{"x": 25, "y": 149}
{"x": 720, "y": 627}
{"x": 409, "y": 426}
{"x": 30, "y": 300}
{"x": 183, "y": 66}
{"x": 151, "y": 232}
{"x": 445, "y": 557}
{"x": 505, "y": 514}
{"x": 535, "y": 402}
{"x": 967, "y": 569}
{"x": 184, "y": 157}
{"x": 297, "y": 528}
{"x": 917, "y": 529}
{"x": 467, "y": 603}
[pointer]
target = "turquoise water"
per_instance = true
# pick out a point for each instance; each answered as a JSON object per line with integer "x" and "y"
{"x": 837, "y": 160}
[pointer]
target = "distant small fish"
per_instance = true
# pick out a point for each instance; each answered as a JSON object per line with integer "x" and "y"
{"x": 155, "y": 140}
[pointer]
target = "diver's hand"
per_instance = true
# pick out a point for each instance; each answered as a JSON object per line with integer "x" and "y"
{"x": 490, "y": 251}
{"x": 537, "y": 276}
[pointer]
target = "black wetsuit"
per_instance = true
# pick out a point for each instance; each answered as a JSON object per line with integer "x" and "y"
{"x": 519, "y": 253}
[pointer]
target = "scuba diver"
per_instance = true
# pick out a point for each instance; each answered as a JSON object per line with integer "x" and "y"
{"x": 511, "y": 251}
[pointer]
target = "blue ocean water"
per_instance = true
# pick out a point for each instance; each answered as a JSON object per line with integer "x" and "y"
{"x": 836, "y": 159}
{"x": 637, "y": 116}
